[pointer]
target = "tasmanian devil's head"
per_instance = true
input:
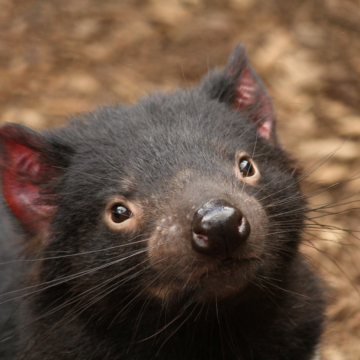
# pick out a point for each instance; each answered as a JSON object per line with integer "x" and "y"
{"x": 186, "y": 194}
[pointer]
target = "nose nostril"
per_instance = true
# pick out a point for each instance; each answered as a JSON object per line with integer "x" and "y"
{"x": 200, "y": 234}
{"x": 244, "y": 228}
{"x": 201, "y": 242}
{"x": 240, "y": 223}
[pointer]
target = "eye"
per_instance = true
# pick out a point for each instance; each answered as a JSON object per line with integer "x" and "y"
{"x": 120, "y": 213}
{"x": 246, "y": 167}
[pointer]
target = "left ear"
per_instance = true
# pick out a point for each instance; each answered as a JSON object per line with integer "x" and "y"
{"x": 249, "y": 94}
{"x": 241, "y": 88}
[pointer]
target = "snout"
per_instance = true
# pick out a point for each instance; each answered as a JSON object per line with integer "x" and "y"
{"x": 218, "y": 228}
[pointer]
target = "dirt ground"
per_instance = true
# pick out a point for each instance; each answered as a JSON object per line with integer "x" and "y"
{"x": 63, "y": 57}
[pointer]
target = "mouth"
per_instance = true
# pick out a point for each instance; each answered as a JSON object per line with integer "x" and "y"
{"x": 228, "y": 261}
{"x": 226, "y": 278}
{"x": 231, "y": 262}
{"x": 229, "y": 271}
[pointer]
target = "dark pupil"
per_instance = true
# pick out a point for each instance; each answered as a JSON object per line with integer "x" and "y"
{"x": 120, "y": 213}
{"x": 246, "y": 167}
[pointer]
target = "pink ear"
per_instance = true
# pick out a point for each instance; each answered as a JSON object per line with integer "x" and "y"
{"x": 249, "y": 94}
{"x": 24, "y": 169}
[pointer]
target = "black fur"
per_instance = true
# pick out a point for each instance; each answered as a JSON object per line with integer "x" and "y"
{"x": 166, "y": 152}
{"x": 9, "y": 269}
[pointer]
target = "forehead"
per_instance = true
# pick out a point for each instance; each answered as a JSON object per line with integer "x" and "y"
{"x": 163, "y": 135}
{"x": 171, "y": 121}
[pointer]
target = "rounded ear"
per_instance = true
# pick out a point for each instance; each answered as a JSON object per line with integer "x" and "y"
{"x": 28, "y": 164}
{"x": 240, "y": 87}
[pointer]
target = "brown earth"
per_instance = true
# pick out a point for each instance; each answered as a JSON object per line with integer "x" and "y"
{"x": 69, "y": 56}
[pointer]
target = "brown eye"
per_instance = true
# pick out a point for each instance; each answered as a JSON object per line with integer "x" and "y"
{"x": 120, "y": 213}
{"x": 246, "y": 167}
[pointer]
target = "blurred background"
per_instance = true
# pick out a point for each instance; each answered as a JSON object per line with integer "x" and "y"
{"x": 63, "y": 57}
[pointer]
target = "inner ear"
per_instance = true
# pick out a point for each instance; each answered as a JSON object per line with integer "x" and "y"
{"x": 28, "y": 165}
{"x": 248, "y": 95}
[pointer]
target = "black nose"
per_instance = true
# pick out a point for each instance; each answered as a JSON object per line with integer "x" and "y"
{"x": 218, "y": 228}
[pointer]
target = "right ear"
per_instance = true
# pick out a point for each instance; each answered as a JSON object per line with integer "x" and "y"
{"x": 28, "y": 168}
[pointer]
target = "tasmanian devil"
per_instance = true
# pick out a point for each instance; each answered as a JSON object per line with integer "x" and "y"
{"x": 167, "y": 230}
